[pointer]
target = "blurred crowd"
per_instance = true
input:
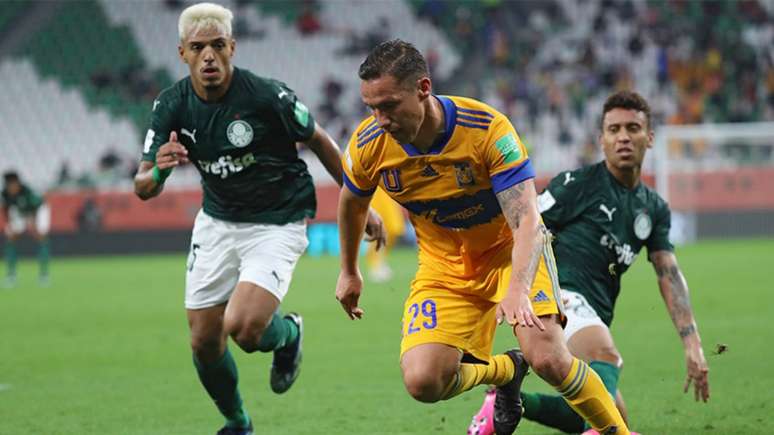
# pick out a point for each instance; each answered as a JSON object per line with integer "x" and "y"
{"x": 549, "y": 64}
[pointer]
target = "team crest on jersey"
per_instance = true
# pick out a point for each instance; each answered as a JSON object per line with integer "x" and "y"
{"x": 239, "y": 133}
{"x": 642, "y": 225}
{"x": 464, "y": 174}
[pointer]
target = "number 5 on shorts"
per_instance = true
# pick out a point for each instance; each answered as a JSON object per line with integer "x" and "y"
{"x": 430, "y": 320}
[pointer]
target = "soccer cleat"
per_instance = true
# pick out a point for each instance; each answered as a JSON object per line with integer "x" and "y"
{"x": 593, "y": 432}
{"x": 225, "y": 430}
{"x": 507, "y": 405}
{"x": 287, "y": 361}
{"x": 483, "y": 423}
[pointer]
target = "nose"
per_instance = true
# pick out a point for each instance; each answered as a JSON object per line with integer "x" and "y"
{"x": 623, "y": 136}
{"x": 208, "y": 55}
{"x": 382, "y": 119}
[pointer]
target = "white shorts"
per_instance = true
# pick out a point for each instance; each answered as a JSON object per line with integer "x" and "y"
{"x": 579, "y": 314}
{"x": 17, "y": 222}
{"x": 224, "y": 253}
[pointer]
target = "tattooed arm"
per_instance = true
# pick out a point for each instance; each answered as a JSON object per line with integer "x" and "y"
{"x": 674, "y": 290}
{"x": 518, "y": 203}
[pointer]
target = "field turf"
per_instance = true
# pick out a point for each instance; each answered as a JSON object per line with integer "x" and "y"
{"x": 104, "y": 350}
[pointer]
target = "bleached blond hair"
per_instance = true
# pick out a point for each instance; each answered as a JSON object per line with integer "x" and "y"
{"x": 202, "y": 16}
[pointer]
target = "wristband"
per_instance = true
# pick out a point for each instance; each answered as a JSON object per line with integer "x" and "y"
{"x": 159, "y": 175}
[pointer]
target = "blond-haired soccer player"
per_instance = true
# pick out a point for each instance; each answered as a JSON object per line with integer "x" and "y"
{"x": 483, "y": 251}
{"x": 240, "y": 131}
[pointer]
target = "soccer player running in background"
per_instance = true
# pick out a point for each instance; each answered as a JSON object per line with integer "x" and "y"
{"x": 394, "y": 226}
{"x": 24, "y": 211}
{"x": 460, "y": 169}
{"x": 240, "y": 131}
{"x": 602, "y": 216}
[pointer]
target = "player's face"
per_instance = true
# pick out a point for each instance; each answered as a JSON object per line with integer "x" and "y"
{"x": 13, "y": 188}
{"x": 208, "y": 54}
{"x": 625, "y": 137}
{"x": 397, "y": 107}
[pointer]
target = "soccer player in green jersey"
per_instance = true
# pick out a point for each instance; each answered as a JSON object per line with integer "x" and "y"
{"x": 240, "y": 131}
{"x": 602, "y": 216}
{"x": 24, "y": 211}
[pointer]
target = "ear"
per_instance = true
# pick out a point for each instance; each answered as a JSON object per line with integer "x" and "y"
{"x": 181, "y": 52}
{"x": 651, "y": 136}
{"x": 424, "y": 87}
{"x": 232, "y": 42}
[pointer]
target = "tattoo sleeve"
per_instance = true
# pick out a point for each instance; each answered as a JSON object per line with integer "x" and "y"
{"x": 674, "y": 290}
{"x": 518, "y": 206}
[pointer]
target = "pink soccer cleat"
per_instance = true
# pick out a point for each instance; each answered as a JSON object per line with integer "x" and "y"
{"x": 483, "y": 422}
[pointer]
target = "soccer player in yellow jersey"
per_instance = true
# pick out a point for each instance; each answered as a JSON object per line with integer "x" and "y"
{"x": 460, "y": 169}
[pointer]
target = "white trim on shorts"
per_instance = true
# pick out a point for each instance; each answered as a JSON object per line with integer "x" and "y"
{"x": 17, "y": 222}
{"x": 580, "y": 314}
{"x": 224, "y": 253}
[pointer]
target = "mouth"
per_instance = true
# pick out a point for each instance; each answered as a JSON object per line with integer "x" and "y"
{"x": 210, "y": 72}
{"x": 625, "y": 152}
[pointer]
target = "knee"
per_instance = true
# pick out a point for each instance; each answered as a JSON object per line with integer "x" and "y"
{"x": 550, "y": 366}
{"x": 608, "y": 354}
{"x": 247, "y": 335}
{"x": 423, "y": 384}
{"x": 206, "y": 349}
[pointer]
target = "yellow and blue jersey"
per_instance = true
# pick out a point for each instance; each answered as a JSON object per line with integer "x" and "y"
{"x": 449, "y": 191}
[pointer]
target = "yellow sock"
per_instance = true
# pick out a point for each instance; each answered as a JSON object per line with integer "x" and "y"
{"x": 499, "y": 371}
{"x": 586, "y": 394}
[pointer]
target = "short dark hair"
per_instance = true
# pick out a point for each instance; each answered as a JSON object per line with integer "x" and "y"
{"x": 10, "y": 176}
{"x": 629, "y": 100}
{"x": 397, "y": 58}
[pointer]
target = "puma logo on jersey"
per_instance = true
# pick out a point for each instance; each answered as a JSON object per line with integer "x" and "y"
{"x": 607, "y": 212}
{"x": 567, "y": 178}
{"x": 189, "y": 134}
{"x": 226, "y": 165}
{"x": 282, "y": 93}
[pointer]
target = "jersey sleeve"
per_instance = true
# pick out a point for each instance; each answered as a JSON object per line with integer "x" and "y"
{"x": 659, "y": 237}
{"x": 561, "y": 202}
{"x": 506, "y": 156}
{"x": 161, "y": 124}
{"x": 295, "y": 116}
{"x": 356, "y": 177}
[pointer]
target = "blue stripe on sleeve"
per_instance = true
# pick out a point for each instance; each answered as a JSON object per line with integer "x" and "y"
{"x": 513, "y": 176}
{"x": 356, "y": 190}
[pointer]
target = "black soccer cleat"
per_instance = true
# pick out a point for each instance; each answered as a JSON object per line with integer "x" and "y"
{"x": 225, "y": 430}
{"x": 507, "y": 407}
{"x": 286, "y": 364}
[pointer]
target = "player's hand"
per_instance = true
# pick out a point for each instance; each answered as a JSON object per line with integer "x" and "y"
{"x": 172, "y": 153}
{"x": 348, "y": 290}
{"x": 375, "y": 229}
{"x": 698, "y": 373}
{"x": 516, "y": 309}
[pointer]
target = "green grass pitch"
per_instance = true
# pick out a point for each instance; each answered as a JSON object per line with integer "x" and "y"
{"x": 104, "y": 350}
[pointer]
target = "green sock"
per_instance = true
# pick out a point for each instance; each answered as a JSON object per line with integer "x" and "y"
{"x": 10, "y": 259}
{"x": 553, "y": 411}
{"x": 609, "y": 374}
{"x": 278, "y": 334}
{"x": 43, "y": 256}
{"x": 220, "y": 380}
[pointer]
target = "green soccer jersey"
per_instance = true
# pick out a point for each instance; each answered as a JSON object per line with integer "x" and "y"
{"x": 26, "y": 202}
{"x": 243, "y": 147}
{"x": 599, "y": 227}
